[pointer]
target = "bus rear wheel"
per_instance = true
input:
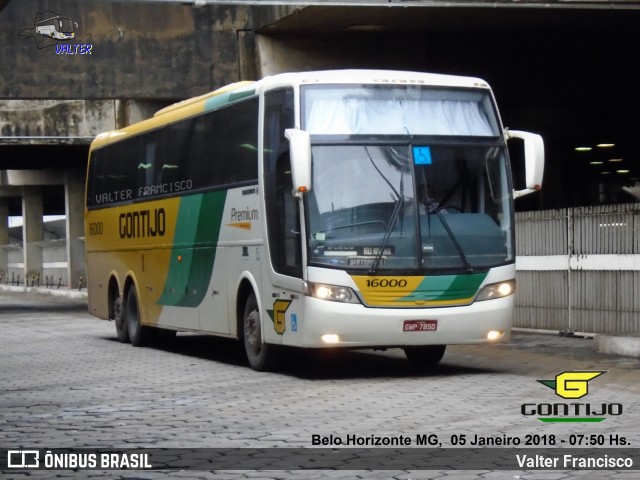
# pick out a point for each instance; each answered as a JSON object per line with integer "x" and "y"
{"x": 118, "y": 318}
{"x": 261, "y": 356}
{"x": 138, "y": 334}
{"x": 427, "y": 356}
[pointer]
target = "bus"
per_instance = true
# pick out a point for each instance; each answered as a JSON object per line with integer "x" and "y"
{"x": 57, "y": 27}
{"x": 333, "y": 209}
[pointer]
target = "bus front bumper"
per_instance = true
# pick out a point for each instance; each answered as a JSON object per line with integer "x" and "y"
{"x": 334, "y": 324}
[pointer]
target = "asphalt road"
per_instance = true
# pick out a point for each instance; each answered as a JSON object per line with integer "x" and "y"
{"x": 66, "y": 382}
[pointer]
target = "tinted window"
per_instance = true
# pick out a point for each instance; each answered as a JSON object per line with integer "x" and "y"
{"x": 214, "y": 150}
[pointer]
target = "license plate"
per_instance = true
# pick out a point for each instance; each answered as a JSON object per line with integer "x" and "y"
{"x": 420, "y": 325}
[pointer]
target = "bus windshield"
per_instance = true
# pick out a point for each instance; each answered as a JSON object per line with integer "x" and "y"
{"x": 406, "y": 178}
{"x": 426, "y": 208}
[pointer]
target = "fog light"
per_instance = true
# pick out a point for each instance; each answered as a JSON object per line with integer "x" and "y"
{"x": 330, "y": 338}
{"x": 494, "y": 334}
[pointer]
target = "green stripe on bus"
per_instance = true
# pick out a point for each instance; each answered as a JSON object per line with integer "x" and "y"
{"x": 194, "y": 251}
{"x": 227, "y": 98}
{"x": 572, "y": 419}
{"x": 446, "y": 287}
{"x": 464, "y": 286}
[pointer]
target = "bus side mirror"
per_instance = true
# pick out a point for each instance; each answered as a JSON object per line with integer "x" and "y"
{"x": 533, "y": 160}
{"x": 300, "y": 150}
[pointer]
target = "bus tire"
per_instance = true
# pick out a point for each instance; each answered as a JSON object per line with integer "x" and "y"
{"x": 138, "y": 334}
{"x": 118, "y": 317}
{"x": 427, "y": 356}
{"x": 261, "y": 356}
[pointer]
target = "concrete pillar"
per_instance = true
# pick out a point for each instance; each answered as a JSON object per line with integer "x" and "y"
{"x": 32, "y": 232}
{"x": 74, "y": 210}
{"x": 4, "y": 237}
{"x": 247, "y": 57}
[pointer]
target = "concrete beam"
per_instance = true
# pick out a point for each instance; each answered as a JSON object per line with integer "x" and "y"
{"x": 7, "y": 192}
{"x": 25, "y": 178}
{"x": 54, "y": 121}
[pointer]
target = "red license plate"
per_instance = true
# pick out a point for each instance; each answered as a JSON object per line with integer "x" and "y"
{"x": 420, "y": 326}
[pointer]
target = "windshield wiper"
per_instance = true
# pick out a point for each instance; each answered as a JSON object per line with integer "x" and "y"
{"x": 431, "y": 205}
{"x": 385, "y": 240}
{"x": 463, "y": 257}
{"x": 394, "y": 214}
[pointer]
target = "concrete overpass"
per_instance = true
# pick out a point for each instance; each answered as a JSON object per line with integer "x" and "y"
{"x": 563, "y": 68}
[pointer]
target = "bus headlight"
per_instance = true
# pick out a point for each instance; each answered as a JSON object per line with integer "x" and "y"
{"x": 497, "y": 290}
{"x": 333, "y": 293}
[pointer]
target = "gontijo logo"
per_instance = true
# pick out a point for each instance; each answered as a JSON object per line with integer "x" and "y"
{"x": 572, "y": 385}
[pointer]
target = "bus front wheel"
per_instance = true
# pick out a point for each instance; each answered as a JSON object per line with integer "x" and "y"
{"x": 138, "y": 334}
{"x": 261, "y": 356}
{"x": 427, "y": 356}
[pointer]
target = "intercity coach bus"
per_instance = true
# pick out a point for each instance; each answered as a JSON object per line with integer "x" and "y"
{"x": 342, "y": 209}
{"x": 57, "y": 27}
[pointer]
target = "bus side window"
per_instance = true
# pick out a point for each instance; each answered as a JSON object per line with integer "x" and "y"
{"x": 283, "y": 217}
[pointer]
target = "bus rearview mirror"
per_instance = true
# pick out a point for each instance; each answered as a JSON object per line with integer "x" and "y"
{"x": 533, "y": 160}
{"x": 300, "y": 150}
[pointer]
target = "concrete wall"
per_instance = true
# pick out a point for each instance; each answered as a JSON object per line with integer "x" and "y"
{"x": 81, "y": 119}
{"x": 138, "y": 51}
{"x": 296, "y": 52}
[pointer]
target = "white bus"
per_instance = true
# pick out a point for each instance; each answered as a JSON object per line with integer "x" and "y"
{"x": 57, "y": 27}
{"x": 341, "y": 209}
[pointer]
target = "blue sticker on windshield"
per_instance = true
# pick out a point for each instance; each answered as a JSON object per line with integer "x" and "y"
{"x": 422, "y": 155}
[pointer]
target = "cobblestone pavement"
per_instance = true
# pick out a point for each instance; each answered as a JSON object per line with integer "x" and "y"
{"x": 66, "y": 382}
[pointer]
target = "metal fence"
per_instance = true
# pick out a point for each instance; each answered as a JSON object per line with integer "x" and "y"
{"x": 579, "y": 269}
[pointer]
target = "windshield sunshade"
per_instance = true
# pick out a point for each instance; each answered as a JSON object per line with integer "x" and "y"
{"x": 397, "y": 110}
